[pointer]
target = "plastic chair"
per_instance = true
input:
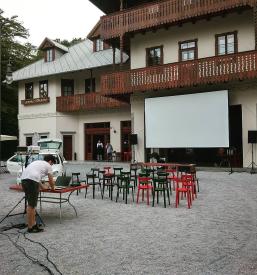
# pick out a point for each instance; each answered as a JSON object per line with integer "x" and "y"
{"x": 182, "y": 188}
{"x": 125, "y": 185}
{"x": 92, "y": 179}
{"x": 108, "y": 181}
{"x": 75, "y": 180}
{"x": 133, "y": 174}
{"x": 144, "y": 183}
{"x": 160, "y": 185}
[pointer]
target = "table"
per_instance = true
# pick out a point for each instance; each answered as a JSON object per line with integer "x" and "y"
{"x": 59, "y": 200}
{"x": 168, "y": 165}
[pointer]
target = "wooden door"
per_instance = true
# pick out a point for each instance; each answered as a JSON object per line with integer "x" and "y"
{"x": 67, "y": 147}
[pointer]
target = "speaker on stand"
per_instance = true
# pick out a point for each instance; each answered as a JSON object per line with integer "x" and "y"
{"x": 133, "y": 142}
{"x": 252, "y": 138}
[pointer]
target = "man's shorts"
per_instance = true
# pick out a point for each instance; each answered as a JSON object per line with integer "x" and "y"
{"x": 31, "y": 189}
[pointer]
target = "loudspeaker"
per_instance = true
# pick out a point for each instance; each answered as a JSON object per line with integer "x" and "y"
{"x": 133, "y": 139}
{"x": 252, "y": 136}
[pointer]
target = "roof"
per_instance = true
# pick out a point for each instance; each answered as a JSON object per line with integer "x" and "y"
{"x": 54, "y": 44}
{"x": 78, "y": 57}
{"x": 95, "y": 32}
{"x": 114, "y": 5}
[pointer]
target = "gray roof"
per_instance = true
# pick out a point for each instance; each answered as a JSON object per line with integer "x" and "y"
{"x": 79, "y": 57}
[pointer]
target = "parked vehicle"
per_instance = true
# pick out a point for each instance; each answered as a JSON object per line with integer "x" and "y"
{"x": 17, "y": 163}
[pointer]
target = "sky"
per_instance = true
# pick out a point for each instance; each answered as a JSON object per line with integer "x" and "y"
{"x": 53, "y": 18}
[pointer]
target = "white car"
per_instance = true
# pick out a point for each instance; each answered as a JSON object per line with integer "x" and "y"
{"x": 15, "y": 163}
{"x": 58, "y": 167}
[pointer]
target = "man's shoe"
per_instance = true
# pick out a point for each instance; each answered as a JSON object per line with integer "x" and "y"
{"x": 35, "y": 229}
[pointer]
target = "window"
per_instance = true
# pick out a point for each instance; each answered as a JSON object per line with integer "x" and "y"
{"x": 29, "y": 90}
{"x": 43, "y": 89}
{"x": 88, "y": 85}
{"x": 154, "y": 56}
{"x": 67, "y": 87}
{"x": 226, "y": 43}
{"x": 49, "y": 55}
{"x": 99, "y": 45}
{"x": 188, "y": 50}
{"x": 28, "y": 141}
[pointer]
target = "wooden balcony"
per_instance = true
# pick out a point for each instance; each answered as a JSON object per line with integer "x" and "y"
{"x": 160, "y": 13}
{"x": 87, "y": 102}
{"x": 203, "y": 71}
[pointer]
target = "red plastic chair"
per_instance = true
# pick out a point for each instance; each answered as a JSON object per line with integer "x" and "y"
{"x": 183, "y": 189}
{"x": 189, "y": 182}
{"x": 144, "y": 183}
{"x": 172, "y": 177}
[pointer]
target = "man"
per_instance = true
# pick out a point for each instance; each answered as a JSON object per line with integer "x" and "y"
{"x": 109, "y": 151}
{"x": 30, "y": 180}
{"x": 99, "y": 150}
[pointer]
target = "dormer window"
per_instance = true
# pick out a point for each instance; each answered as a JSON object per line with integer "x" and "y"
{"x": 49, "y": 55}
{"x": 52, "y": 49}
{"x": 99, "y": 45}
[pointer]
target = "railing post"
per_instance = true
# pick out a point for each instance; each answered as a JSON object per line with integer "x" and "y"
{"x": 255, "y": 24}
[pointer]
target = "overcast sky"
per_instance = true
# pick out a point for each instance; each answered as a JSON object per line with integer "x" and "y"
{"x": 53, "y": 18}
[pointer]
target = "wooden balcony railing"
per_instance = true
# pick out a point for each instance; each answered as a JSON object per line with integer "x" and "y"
{"x": 201, "y": 71}
{"x": 86, "y": 102}
{"x": 163, "y": 12}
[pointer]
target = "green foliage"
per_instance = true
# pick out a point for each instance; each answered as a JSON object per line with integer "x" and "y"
{"x": 67, "y": 43}
{"x": 20, "y": 54}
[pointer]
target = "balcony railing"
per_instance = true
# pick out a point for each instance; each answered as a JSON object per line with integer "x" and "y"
{"x": 86, "y": 102}
{"x": 164, "y": 12}
{"x": 216, "y": 69}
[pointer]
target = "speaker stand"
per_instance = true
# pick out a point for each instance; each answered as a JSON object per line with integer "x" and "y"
{"x": 229, "y": 153}
{"x": 252, "y": 164}
{"x": 133, "y": 153}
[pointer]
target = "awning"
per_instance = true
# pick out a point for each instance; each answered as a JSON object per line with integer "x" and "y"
{"x": 5, "y": 138}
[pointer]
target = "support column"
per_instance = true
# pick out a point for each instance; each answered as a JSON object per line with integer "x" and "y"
{"x": 91, "y": 80}
{"x": 113, "y": 55}
{"x": 121, "y": 50}
{"x": 255, "y": 24}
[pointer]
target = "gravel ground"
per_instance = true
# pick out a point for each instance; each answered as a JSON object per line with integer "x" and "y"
{"x": 217, "y": 236}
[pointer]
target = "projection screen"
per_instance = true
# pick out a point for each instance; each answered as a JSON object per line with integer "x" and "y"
{"x": 187, "y": 121}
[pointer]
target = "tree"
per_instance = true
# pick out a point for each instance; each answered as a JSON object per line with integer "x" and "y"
{"x": 20, "y": 54}
{"x": 67, "y": 43}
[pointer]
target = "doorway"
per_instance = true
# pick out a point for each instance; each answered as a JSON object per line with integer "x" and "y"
{"x": 235, "y": 135}
{"x": 93, "y": 133}
{"x": 67, "y": 147}
{"x": 125, "y": 127}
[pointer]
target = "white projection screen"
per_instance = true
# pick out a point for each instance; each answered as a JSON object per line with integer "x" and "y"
{"x": 187, "y": 121}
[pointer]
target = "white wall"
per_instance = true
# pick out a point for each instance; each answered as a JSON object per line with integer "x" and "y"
{"x": 138, "y": 125}
{"x": 202, "y": 30}
{"x": 247, "y": 97}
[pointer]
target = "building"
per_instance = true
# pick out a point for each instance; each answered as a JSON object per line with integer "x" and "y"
{"x": 186, "y": 47}
{"x": 200, "y": 54}
{"x": 59, "y": 98}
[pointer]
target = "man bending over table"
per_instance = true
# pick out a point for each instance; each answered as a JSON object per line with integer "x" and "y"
{"x": 30, "y": 180}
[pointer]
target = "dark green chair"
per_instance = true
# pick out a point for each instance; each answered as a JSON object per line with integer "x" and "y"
{"x": 125, "y": 185}
{"x": 160, "y": 185}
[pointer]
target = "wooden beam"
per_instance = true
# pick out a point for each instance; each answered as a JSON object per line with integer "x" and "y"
{"x": 255, "y": 24}
{"x": 121, "y": 50}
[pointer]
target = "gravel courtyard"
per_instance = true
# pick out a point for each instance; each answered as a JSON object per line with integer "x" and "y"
{"x": 217, "y": 236}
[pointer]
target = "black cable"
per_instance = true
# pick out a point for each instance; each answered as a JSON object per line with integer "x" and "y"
{"x": 47, "y": 252}
{"x": 22, "y": 250}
